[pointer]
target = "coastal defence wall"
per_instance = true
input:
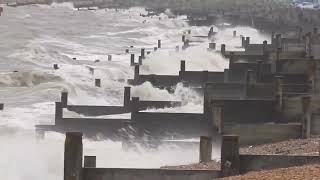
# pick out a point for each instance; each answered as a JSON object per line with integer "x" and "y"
{"x": 147, "y": 174}
{"x": 232, "y": 163}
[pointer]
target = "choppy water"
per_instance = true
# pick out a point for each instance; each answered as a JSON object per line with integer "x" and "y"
{"x": 36, "y": 37}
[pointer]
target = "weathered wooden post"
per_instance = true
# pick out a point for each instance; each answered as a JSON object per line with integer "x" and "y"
{"x": 230, "y": 158}
{"x": 223, "y": 49}
{"x": 126, "y": 97}
{"x": 248, "y": 82}
{"x": 259, "y": 70}
{"x": 183, "y": 66}
{"x": 140, "y": 60}
{"x": 185, "y": 44}
{"x": 226, "y": 75}
{"x": 231, "y": 59}
{"x": 132, "y": 60}
{"x": 312, "y": 73}
{"x": 142, "y": 53}
{"x": 205, "y": 77}
{"x": 135, "y": 104}
{"x": 308, "y": 46}
{"x": 89, "y": 161}
{"x": 278, "y": 41}
{"x": 212, "y": 46}
{"x": 64, "y": 99}
{"x": 234, "y": 33}
{"x": 210, "y": 33}
{"x": 177, "y": 48}
{"x": 278, "y": 63}
{"x": 109, "y": 57}
{"x": 217, "y": 116}
{"x": 279, "y": 93}
{"x": 205, "y": 149}
{"x": 247, "y": 42}
{"x": 136, "y": 72}
{"x": 265, "y": 48}
{"x": 243, "y": 42}
{"x": 273, "y": 40}
{"x": 55, "y": 66}
{"x": 73, "y": 156}
{"x": 58, "y": 113}
{"x": 159, "y": 43}
{"x": 299, "y": 33}
{"x": 306, "y": 116}
{"x": 249, "y": 77}
{"x": 97, "y": 82}
{"x": 91, "y": 70}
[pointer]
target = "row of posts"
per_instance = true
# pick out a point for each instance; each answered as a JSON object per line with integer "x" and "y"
{"x": 73, "y": 155}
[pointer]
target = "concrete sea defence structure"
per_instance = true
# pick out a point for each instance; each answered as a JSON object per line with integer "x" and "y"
{"x": 264, "y": 96}
{"x": 268, "y": 97}
{"x": 268, "y": 93}
{"x": 232, "y": 163}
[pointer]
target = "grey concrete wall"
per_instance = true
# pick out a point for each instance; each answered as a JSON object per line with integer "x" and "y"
{"x": 108, "y": 110}
{"x": 245, "y": 56}
{"x": 287, "y": 78}
{"x": 148, "y": 174}
{"x": 247, "y": 111}
{"x": 198, "y": 78}
{"x": 224, "y": 90}
{"x": 194, "y": 78}
{"x": 237, "y": 71}
{"x": 292, "y": 110}
{"x": 97, "y": 110}
{"x": 143, "y": 105}
{"x": 239, "y": 91}
{"x": 294, "y": 66}
{"x": 171, "y": 124}
{"x": 159, "y": 80}
{"x": 263, "y": 133}
{"x": 266, "y": 162}
{"x": 261, "y": 91}
{"x": 258, "y": 48}
{"x": 215, "y": 76}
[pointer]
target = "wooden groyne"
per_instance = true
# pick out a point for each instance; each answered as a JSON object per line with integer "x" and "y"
{"x": 262, "y": 96}
{"x": 232, "y": 163}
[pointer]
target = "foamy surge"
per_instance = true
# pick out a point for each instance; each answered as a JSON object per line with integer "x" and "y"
{"x": 41, "y": 36}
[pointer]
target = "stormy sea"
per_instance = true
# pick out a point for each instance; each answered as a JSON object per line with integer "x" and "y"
{"x": 35, "y": 37}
